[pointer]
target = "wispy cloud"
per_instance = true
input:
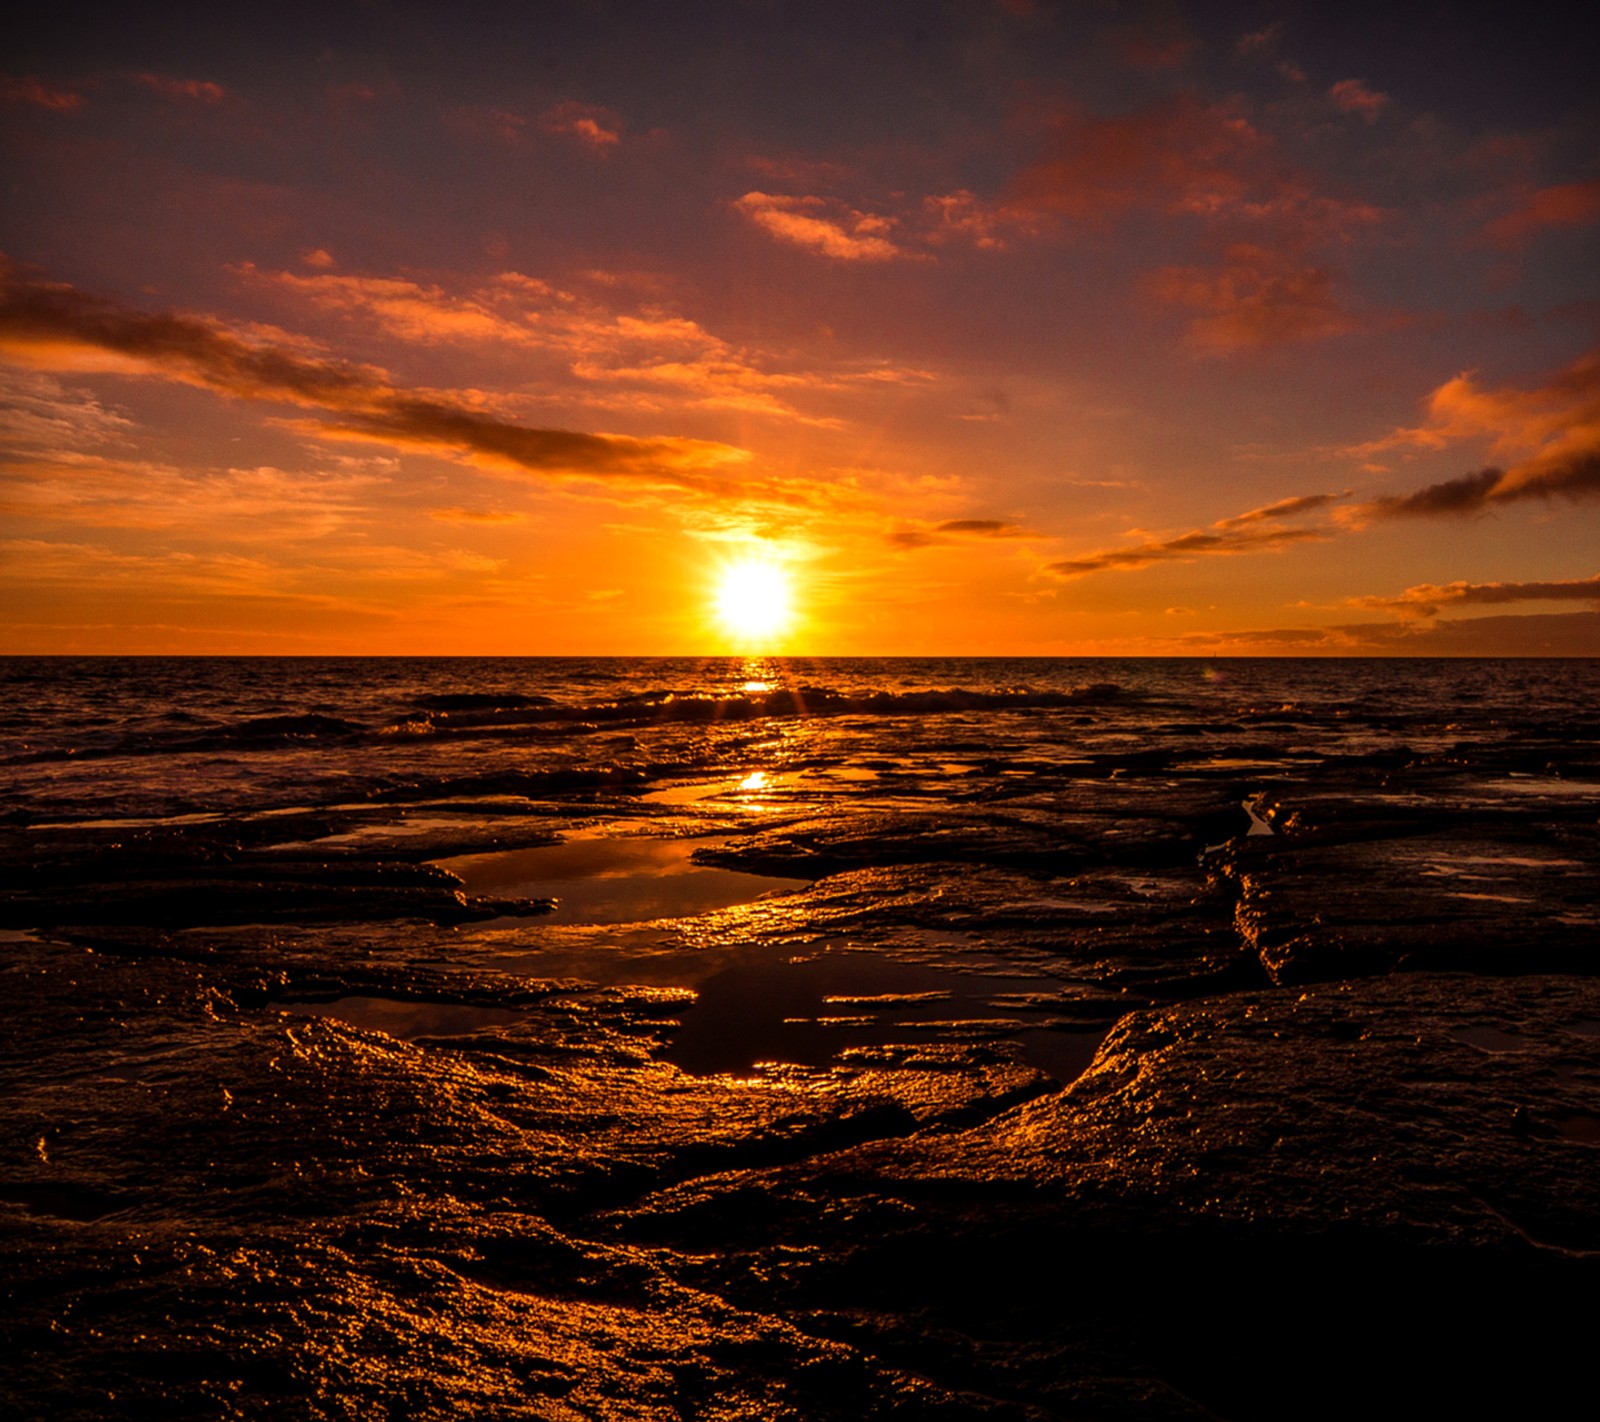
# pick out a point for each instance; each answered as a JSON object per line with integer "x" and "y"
{"x": 247, "y": 507}
{"x": 1282, "y": 508}
{"x": 963, "y": 217}
{"x": 38, "y": 413}
{"x": 1181, "y": 154}
{"x": 201, "y": 91}
{"x": 955, "y": 530}
{"x": 40, "y": 94}
{"x": 1353, "y": 97}
{"x": 477, "y": 516}
{"x": 1536, "y": 210}
{"x": 1258, "y": 296}
{"x": 597, "y": 128}
{"x": 1214, "y": 172}
{"x": 1259, "y": 530}
{"x": 664, "y": 358}
{"x": 417, "y": 311}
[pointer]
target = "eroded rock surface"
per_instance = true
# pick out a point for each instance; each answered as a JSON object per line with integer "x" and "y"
{"x": 1039, "y": 1055}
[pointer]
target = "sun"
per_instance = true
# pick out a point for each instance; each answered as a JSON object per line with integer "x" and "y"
{"x": 754, "y": 599}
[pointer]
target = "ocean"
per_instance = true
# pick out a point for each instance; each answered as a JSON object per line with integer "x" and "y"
{"x": 604, "y": 1037}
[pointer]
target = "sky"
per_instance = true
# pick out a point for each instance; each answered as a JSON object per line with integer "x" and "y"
{"x": 988, "y": 327}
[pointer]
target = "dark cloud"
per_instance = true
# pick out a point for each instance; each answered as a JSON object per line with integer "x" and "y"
{"x": 952, "y": 530}
{"x": 1571, "y": 475}
{"x": 982, "y": 527}
{"x": 1429, "y": 599}
{"x": 1557, "y": 420}
{"x": 1561, "y": 634}
{"x": 51, "y": 323}
{"x": 1464, "y": 495}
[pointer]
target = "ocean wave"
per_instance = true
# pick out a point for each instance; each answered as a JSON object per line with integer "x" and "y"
{"x": 665, "y": 705}
{"x": 273, "y": 731}
{"x": 481, "y": 700}
{"x": 467, "y": 714}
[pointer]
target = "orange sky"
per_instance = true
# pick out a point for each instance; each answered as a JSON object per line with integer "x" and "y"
{"x": 999, "y": 328}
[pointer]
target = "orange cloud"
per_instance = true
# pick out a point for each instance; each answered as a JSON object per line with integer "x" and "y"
{"x": 1554, "y": 427}
{"x": 1142, "y": 51}
{"x": 1573, "y": 476}
{"x": 408, "y": 309}
{"x": 822, "y": 225}
{"x": 962, "y": 217}
{"x": 1260, "y": 296}
{"x": 35, "y": 92}
{"x": 807, "y": 172}
{"x": 1353, "y": 97}
{"x": 1205, "y": 161}
{"x": 1180, "y": 154}
{"x": 200, "y": 90}
{"x": 1545, "y": 209}
{"x": 652, "y": 349}
{"x": 1263, "y": 41}
{"x": 725, "y": 383}
{"x": 598, "y": 128}
{"x": 38, "y": 413}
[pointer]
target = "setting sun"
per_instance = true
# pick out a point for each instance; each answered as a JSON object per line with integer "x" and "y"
{"x": 754, "y": 599}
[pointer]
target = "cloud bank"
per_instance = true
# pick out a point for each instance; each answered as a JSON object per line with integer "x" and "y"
{"x": 50, "y": 325}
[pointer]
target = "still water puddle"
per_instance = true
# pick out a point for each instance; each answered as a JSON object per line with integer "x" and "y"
{"x": 745, "y": 792}
{"x": 807, "y": 1010}
{"x": 762, "y": 1002}
{"x": 606, "y": 878}
{"x": 755, "y": 1001}
{"x": 404, "y": 1019}
{"x": 1581, "y": 1126}
{"x": 1482, "y": 866}
{"x": 1487, "y": 1038}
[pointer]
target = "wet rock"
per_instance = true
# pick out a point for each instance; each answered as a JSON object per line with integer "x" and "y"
{"x": 296, "y": 1198}
{"x": 809, "y": 1154}
{"x": 1513, "y": 901}
{"x": 1168, "y": 931}
{"x": 1057, "y": 828}
{"x": 313, "y": 893}
{"x": 1241, "y": 1194}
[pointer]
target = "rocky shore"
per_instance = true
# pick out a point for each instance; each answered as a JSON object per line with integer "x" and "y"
{"x": 1139, "y": 1083}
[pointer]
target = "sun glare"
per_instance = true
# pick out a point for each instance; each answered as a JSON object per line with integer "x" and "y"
{"x": 754, "y": 600}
